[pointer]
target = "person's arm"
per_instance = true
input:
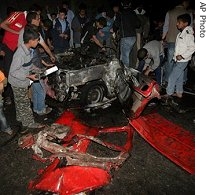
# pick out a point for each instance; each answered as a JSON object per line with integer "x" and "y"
{"x": 97, "y": 42}
{"x": 116, "y": 24}
{"x": 49, "y": 44}
{"x": 165, "y": 26}
{"x": 5, "y": 25}
{"x": 47, "y": 49}
{"x": 67, "y": 31}
{"x": 156, "y": 63}
{"x": 46, "y": 64}
{"x": 155, "y": 56}
{"x": 147, "y": 67}
{"x": 20, "y": 37}
{"x": 16, "y": 69}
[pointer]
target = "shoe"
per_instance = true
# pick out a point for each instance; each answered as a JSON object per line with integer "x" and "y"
{"x": 35, "y": 126}
{"x": 165, "y": 96}
{"x": 152, "y": 104}
{"x": 179, "y": 95}
{"x": 46, "y": 111}
{"x": 166, "y": 99}
{"x": 9, "y": 132}
{"x": 23, "y": 130}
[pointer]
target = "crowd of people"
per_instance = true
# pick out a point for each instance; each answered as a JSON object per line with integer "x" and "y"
{"x": 140, "y": 41}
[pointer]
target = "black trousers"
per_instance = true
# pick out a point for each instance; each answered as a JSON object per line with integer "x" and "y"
{"x": 7, "y": 60}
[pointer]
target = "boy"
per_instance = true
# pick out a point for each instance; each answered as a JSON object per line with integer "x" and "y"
{"x": 61, "y": 33}
{"x": 184, "y": 48}
{"x": 19, "y": 78}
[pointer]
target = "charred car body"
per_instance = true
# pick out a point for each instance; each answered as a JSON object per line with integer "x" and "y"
{"x": 94, "y": 80}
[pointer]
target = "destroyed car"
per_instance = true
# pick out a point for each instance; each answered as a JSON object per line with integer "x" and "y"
{"x": 94, "y": 80}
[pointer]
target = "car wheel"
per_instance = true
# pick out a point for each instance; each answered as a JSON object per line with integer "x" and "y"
{"x": 92, "y": 93}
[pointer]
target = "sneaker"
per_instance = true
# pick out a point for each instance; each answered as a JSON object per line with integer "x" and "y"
{"x": 35, "y": 126}
{"x": 152, "y": 104}
{"x": 9, "y": 131}
{"x": 24, "y": 130}
{"x": 166, "y": 99}
{"x": 179, "y": 95}
{"x": 165, "y": 96}
{"x": 46, "y": 111}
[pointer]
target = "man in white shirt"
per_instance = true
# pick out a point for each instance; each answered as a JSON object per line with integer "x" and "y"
{"x": 151, "y": 56}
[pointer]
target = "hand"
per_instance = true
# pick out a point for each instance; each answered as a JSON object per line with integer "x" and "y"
{"x": 179, "y": 57}
{"x": 51, "y": 47}
{"x": 50, "y": 65}
{"x": 147, "y": 71}
{"x": 52, "y": 58}
{"x": 2, "y": 53}
{"x": 41, "y": 50}
{"x": 101, "y": 33}
{"x": 103, "y": 49}
{"x": 32, "y": 77}
{"x": 61, "y": 35}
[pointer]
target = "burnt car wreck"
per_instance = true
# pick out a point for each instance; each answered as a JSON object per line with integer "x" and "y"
{"x": 94, "y": 80}
{"x": 97, "y": 81}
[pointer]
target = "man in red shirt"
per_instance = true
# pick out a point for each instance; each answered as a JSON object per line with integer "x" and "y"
{"x": 12, "y": 26}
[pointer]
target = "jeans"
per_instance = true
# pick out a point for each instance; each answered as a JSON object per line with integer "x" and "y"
{"x": 38, "y": 96}
{"x": 170, "y": 62}
{"x": 3, "y": 121}
{"x": 157, "y": 71}
{"x": 126, "y": 45}
{"x": 176, "y": 78}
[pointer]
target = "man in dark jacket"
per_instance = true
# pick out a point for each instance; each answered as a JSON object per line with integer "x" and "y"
{"x": 77, "y": 25}
{"x": 89, "y": 38}
{"x": 126, "y": 23}
{"x": 60, "y": 33}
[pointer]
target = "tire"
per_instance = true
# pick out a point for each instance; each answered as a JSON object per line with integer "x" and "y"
{"x": 92, "y": 93}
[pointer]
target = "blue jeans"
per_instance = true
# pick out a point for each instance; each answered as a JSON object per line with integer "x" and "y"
{"x": 126, "y": 45}
{"x": 176, "y": 78}
{"x": 3, "y": 121}
{"x": 157, "y": 71}
{"x": 38, "y": 96}
{"x": 170, "y": 62}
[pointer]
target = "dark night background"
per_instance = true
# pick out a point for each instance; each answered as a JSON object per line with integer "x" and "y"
{"x": 154, "y": 8}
